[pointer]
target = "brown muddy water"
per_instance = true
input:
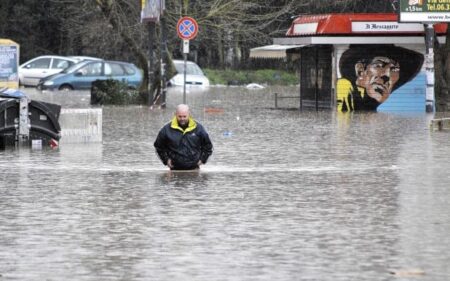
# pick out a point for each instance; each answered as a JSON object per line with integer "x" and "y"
{"x": 286, "y": 195}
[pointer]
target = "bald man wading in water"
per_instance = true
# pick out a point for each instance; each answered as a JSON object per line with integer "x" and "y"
{"x": 183, "y": 143}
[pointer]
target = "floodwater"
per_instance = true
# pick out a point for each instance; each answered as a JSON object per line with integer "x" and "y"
{"x": 286, "y": 195}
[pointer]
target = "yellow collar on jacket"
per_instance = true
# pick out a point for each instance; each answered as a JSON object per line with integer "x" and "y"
{"x": 191, "y": 125}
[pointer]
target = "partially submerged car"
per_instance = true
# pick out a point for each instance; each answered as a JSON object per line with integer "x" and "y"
{"x": 32, "y": 71}
{"x": 81, "y": 75}
{"x": 194, "y": 75}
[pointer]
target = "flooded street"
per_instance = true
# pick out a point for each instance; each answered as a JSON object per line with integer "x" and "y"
{"x": 286, "y": 195}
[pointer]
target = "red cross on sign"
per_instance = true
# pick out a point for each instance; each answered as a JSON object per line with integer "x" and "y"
{"x": 187, "y": 28}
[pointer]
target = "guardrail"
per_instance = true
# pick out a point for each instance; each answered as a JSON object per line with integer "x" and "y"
{"x": 440, "y": 124}
{"x": 277, "y": 97}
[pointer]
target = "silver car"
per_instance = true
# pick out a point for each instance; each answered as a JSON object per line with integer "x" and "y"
{"x": 31, "y": 72}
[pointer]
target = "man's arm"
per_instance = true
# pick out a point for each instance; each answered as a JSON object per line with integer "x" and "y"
{"x": 161, "y": 146}
{"x": 207, "y": 147}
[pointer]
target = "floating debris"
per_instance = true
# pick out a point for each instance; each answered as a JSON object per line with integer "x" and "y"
{"x": 213, "y": 110}
{"x": 254, "y": 86}
{"x": 407, "y": 272}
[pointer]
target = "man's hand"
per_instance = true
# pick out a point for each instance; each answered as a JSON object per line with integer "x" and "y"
{"x": 169, "y": 163}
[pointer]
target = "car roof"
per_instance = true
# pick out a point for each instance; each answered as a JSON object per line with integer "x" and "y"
{"x": 85, "y": 62}
{"x": 49, "y": 56}
{"x": 124, "y": 62}
{"x": 182, "y": 61}
{"x": 81, "y": 58}
{"x": 53, "y": 56}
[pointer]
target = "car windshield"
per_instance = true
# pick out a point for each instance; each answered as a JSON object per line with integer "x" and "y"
{"x": 191, "y": 68}
{"x": 74, "y": 67}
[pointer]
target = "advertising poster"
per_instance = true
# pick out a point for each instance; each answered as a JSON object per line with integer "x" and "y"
{"x": 425, "y": 11}
{"x": 8, "y": 64}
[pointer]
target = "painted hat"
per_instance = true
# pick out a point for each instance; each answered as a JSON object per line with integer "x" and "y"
{"x": 410, "y": 61}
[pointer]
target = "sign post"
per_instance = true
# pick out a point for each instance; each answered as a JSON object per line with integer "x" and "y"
{"x": 426, "y": 12}
{"x": 429, "y": 67}
{"x": 151, "y": 13}
{"x": 187, "y": 29}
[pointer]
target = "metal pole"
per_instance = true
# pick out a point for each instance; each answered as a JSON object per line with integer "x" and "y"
{"x": 429, "y": 60}
{"x": 185, "y": 53}
{"x": 151, "y": 39}
{"x": 184, "y": 79}
{"x": 316, "y": 85}
{"x": 163, "y": 60}
{"x": 300, "y": 79}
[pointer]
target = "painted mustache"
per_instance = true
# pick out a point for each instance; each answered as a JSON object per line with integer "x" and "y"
{"x": 380, "y": 88}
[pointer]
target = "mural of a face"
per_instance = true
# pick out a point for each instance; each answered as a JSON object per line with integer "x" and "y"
{"x": 378, "y": 77}
{"x": 369, "y": 74}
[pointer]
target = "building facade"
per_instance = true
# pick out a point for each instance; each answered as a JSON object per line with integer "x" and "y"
{"x": 357, "y": 62}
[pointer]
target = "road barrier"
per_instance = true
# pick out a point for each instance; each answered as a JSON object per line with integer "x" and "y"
{"x": 81, "y": 125}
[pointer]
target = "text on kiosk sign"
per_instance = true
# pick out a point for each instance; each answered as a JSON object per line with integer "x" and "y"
{"x": 386, "y": 26}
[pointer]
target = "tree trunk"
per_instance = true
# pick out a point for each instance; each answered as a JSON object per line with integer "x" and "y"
{"x": 220, "y": 49}
{"x": 139, "y": 53}
{"x": 442, "y": 74}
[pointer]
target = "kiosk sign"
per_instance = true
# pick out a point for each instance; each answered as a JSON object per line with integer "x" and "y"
{"x": 425, "y": 11}
{"x": 152, "y": 10}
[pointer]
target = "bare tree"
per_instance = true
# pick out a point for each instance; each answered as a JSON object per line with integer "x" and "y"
{"x": 228, "y": 26}
{"x": 116, "y": 13}
{"x": 111, "y": 29}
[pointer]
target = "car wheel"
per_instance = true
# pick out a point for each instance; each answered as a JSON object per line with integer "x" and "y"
{"x": 65, "y": 88}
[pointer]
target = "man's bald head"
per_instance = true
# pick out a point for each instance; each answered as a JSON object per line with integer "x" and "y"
{"x": 182, "y": 113}
{"x": 182, "y": 108}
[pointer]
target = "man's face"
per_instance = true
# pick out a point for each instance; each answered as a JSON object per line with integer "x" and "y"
{"x": 182, "y": 117}
{"x": 378, "y": 77}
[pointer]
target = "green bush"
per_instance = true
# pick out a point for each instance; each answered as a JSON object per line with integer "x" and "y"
{"x": 242, "y": 77}
{"x": 113, "y": 92}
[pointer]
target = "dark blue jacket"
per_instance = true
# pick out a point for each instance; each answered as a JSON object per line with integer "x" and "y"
{"x": 184, "y": 147}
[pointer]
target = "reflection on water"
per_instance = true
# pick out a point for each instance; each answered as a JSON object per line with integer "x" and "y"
{"x": 184, "y": 179}
{"x": 286, "y": 195}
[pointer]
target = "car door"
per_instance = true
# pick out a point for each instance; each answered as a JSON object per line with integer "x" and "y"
{"x": 87, "y": 74}
{"x": 33, "y": 71}
{"x": 115, "y": 71}
{"x": 58, "y": 65}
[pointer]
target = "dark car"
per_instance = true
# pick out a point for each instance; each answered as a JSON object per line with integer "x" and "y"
{"x": 81, "y": 75}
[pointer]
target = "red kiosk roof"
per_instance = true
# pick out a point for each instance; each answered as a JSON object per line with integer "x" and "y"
{"x": 356, "y": 24}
